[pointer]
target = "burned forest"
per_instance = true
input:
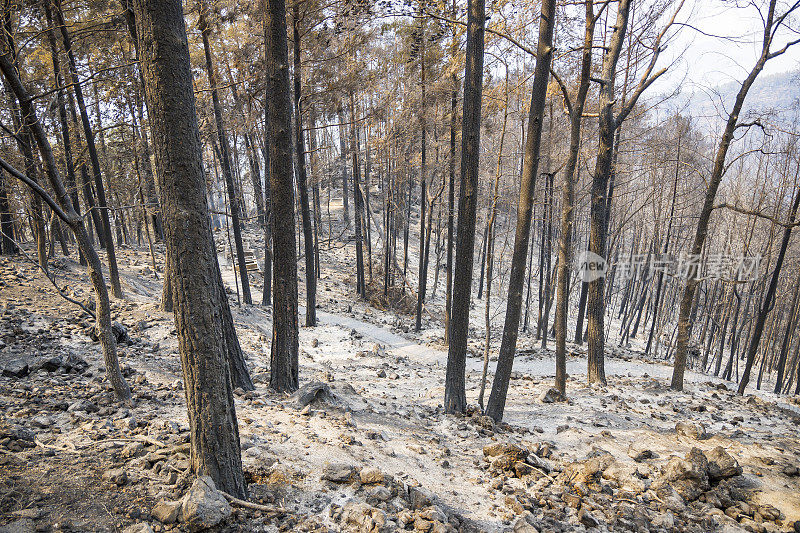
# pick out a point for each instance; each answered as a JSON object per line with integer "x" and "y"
{"x": 372, "y": 266}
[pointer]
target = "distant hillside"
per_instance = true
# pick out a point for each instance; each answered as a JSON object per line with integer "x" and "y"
{"x": 775, "y": 92}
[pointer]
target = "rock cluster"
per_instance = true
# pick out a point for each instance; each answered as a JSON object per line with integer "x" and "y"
{"x": 201, "y": 508}
{"x": 701, "y": 491}
{"x": 388, "y": 504}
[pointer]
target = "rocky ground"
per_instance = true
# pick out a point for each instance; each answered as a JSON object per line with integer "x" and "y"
{"x": 365, "y": 446}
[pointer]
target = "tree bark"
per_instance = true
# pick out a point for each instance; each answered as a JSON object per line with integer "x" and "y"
{"x": 769, "y": 298}
{"x": 451, "y": 183}
{"x": 791, "y": 322}
{"x": 25, "y": 142}
{"x": 718, "y": 170}
{"x": 225, "y": 160}
{"x": 508, "y": 345}
{"x": 302, "y": 181}
{"x": 7, "y": 244}
{"x": 75, "y": 221}
{"x": 116, "y": 287}
{"x": 343, "y": 162}
{"x": 69, "y": 166}
{"x": 455, "y": 398}
{"x": 284, "y": 374}
{"x": 197, "y": 286}
{"x": 568, "y": 203}
{"x": 595, "y": 294}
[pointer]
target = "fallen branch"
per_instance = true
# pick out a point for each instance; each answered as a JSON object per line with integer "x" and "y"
{"x": 255, "y": 506}
{"x": 71, "y": 447}
{"x": 542, "y": 472}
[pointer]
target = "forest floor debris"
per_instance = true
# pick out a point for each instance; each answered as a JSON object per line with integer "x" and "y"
{"x": 365, "y": 446}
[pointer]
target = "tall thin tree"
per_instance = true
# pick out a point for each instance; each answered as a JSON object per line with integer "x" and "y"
{"x": 508, "y": 345}
{"x": 455, "y": 396}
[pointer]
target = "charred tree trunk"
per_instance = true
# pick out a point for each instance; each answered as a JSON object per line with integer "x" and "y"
{"x": 361, "y": 288}
{"x": 568, "y": 203}
{"x": 660, "y": 281}
{"x": 200, "y": 308}
{"x": 116, "y": 287}
{"x": 64, "y": 209}
{"x": 451, "y": 174}
{"x": 343, "y": 161}
{"x": 302, "y": 181}
{"x": 284, "y": 375}
{"x": 787, "y": 338}
{"x": 225, "y": 160}
{"x": 769, "y": 298}
{"x": 455, "y": 398}
{"x": 718, "y": 170}
{"x": 508, "y": 346}
{"x": 69, "y": 167}
{"x": 7, "y": 244}
{"x": 595, "y": 294}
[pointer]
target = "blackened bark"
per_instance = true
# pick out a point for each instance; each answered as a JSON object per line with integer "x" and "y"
{"x": 598, "y": 227}
{"x": 508, "y": 345}
{"x": 75, "y": 221}
{"x": 660, "y": 281}
{"x": 284, "y": 375}
{"x": 361, "y": 288}
{"x": 315, "y": 170}
{"x": 197, "y": 286}
{"x": 568, "y": 203}
{"x": 22, "y": 124}
{"x": 266, "y": 295}
{"x": 86, "y": 184}
{"x": 451, "y": 174}
{"x": 787, "y": 338}
{"x": 718, "y": 170}
{"x": 302, "y": 180}
{"x": 343, "y": 162}
{"x": 769, "y": 298}
{"x": 455, "y": 398}
{"x": 71, "y": 182}
{"x": 7, "y": 244}
{"x": 225, "y": 160}
{"x": 116, "y": 287}
{"x": 423, "y": 194}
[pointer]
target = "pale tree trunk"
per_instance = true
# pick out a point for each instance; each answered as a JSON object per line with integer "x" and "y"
{"x": 508, "y": 345}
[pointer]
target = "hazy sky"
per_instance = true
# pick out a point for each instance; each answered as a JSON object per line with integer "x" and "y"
{"x": 709, "y": 61}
